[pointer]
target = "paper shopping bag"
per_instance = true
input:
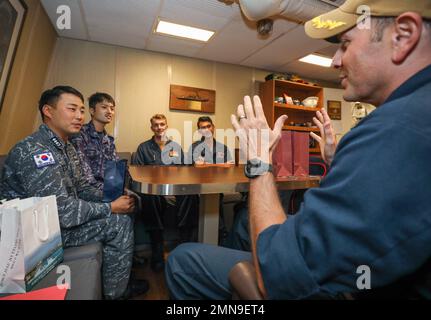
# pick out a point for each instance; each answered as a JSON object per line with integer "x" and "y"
{"x": 114, "y": 179}
{"x": 301, "y": 155}
{"x": 30, "y": 242}
{"x": 282, "y": 156}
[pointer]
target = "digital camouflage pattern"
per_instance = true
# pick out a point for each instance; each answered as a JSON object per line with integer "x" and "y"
{"x": 43, "y": 165}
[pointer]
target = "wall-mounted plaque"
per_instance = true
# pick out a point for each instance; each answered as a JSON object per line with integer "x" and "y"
{"x": 334, "y": 110}
{"x": 192, "y": 99}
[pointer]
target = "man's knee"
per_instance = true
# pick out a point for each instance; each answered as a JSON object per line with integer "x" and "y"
{"x": 120, "y": 226}
{"x": 181, "y": 263}
{"x": 181, "y": 255}
{"x": 122, "y": 221}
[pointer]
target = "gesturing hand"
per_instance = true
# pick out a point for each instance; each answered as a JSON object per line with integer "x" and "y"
{"x": 327, "y": 141}
{"x": 256, "y": 138}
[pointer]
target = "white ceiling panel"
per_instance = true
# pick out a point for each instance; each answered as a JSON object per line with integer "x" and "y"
{"x": 291, "y": 46}
{"x": 120, "y": 24}
{"x": 173, "y": 45}
{"x": 215, "y": 7}
{"x": 175, "y": 12}
{"x": 237, "y": 41}
{"x": 119, "y": 38}
{"x": 78, "y": 27}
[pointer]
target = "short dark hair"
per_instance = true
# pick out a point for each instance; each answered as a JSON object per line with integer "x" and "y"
{"x": 51, "y": 96}
{"x": 381, "y": 23}
{"x": 204, "y": 119}
{"x": 99, "y": 97}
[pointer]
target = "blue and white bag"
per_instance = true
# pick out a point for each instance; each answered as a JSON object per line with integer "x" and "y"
{"x": 30, "y": 242}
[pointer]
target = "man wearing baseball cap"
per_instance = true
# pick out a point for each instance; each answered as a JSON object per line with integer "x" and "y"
{"x": 367, "y": 230}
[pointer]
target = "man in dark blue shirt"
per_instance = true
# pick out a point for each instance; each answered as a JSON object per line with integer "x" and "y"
{"x": 208, "y": 150}
{"x": 161, "y": 151}
{"x": 370, "y": 218}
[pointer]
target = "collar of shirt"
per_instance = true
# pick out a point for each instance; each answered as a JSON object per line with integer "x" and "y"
{"x": 203, "y": 140}
{"x": 415, "y": 82}
{"x": 52, "y": 137}
{"x": 93, "y": 133}
{"x": 154, "y": 143}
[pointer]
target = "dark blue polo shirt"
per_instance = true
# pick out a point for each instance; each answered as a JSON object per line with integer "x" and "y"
{"x": 372, "y": 209}
{"x": 149, "y": 153}
{"x": 200, "y": 149}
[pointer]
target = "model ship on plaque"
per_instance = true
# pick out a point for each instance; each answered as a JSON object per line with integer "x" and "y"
{"x": 192, "y": 99}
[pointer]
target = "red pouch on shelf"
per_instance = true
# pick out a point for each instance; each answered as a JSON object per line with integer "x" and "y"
{"x": 301, "y": 156}
{"x": 282, "y": 160}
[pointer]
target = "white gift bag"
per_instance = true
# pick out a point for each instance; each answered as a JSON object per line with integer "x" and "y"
{"x": 30, "y": 242}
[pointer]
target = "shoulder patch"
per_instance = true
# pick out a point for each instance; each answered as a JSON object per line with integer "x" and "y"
{"x": 44, "y": 159}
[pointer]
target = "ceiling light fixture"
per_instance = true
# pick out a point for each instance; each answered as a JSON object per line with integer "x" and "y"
{"x": 179, "y": 30}
{"x": 317, "y": 60}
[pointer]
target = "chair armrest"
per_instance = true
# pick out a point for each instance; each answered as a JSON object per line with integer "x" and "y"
{"x": 243, "y": 280}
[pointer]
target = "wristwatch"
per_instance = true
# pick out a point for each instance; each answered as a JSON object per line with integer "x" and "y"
{"x": 256, "y": 167}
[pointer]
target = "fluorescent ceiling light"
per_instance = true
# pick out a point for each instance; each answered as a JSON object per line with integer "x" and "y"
{"x": 317, "y": 60}
{"x": 182, "y": 31}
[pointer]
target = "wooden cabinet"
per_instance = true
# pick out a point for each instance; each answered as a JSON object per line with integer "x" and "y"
{"x": 300, "y": 117}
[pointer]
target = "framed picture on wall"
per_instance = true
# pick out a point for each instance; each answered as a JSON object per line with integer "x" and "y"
{"x": 334, "y": 109}
{"x": 12, "y": 14}
{"x": 192, "y": 99}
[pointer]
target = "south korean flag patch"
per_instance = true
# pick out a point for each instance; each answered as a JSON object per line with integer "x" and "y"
{"x": 44, "y": 159}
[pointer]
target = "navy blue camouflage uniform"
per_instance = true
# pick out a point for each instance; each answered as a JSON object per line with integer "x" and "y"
{"x": 94, "y": 149}
{"x": 43, "y": 165}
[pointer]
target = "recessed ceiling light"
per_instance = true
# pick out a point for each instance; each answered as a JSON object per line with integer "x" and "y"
{"x": 179, "y": 30}
{"x": 317, "y": 60}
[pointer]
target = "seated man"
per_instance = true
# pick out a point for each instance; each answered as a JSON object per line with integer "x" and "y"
{"x": 370, "y": 218}
{"x": 94, "y": 146}
{"x": 161, "y": 151}
{"x": 208, "y": 150}
{"x": 46, "y": 163}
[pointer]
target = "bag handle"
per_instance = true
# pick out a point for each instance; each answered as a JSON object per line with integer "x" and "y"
{"x": 36, "y": 225}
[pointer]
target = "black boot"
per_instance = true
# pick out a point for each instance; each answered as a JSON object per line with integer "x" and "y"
{"x": 157, "y": 258}
{"x": 136, "y": 288}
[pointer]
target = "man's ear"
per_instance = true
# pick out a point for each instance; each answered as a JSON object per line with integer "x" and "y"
{"x": 46, "y": 110}
{"x": 92, "y": 110}
{"x": 405, "y": 36}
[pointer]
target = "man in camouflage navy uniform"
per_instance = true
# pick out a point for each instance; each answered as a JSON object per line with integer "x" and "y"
{"x": 46, "y": 163}
{"x": 93, "y": 144}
